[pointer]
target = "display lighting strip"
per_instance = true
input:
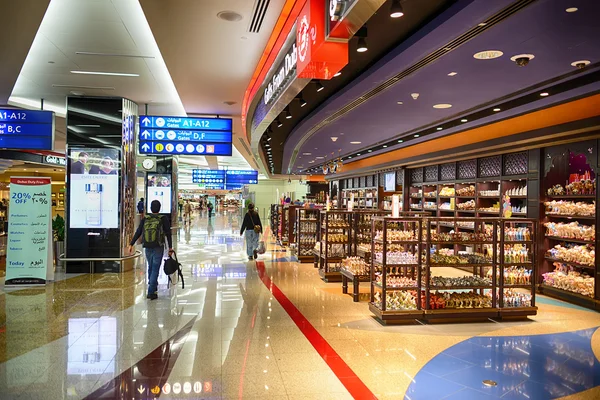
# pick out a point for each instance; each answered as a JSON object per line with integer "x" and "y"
{"x": 536, "y": 95}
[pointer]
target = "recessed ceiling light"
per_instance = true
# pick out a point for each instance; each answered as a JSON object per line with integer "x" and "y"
{"x": 306, "y": 154}
{"x": 358, "y": 154}
{"x": 400, "y": 102}
{"x": 400, "y": 141}
{"x": 384, "y": 146}
{"x": 464, "y": 120}
{"x": 488, "y": 54}
{"x": 370, "y": 150}
{"x": 580, "y": 64}
{"x": 337, "y": 74}
{"x": 320, "y": 158}
{"x": 453, "y": 73}
{"x": 349, "y": 157}
{"x": 319, "y": 86}
{"x": 544, "y": 94}
{"x": 334, "y": 138}
{"x": 571, "y": 9}
{"x": 355, "y": 142}
{"x": 482, "y": 24}
{"x": 496, "y": 109}
{"x": 441, "y": 106}
{"x": 416, "y": 135}
{"x": 103, "y": 73}
{"x": 229, "y": 16}
{"x": 396, "y": 11}
{"x": 439, "y": 128}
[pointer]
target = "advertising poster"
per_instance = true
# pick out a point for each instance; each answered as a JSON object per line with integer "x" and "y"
{"x": 159, "y": 188}
{"x": 29, "y": 256}
{"x": 92, "y": 346}
{"x": 94, "y": 192}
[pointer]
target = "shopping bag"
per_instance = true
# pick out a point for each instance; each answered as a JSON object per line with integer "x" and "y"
{"x": 261, "y": 247}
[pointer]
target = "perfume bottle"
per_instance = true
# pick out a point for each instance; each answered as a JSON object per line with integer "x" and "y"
{"x": 93, "y": 194}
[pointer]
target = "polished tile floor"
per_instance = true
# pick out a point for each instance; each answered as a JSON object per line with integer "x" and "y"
{"x": 271, "y": 329}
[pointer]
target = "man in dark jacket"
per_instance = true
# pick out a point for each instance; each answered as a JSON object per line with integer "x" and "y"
{"x": 155, "y": 228}
{"x": 140, "y": 206}
{"x": 251, "y": 220}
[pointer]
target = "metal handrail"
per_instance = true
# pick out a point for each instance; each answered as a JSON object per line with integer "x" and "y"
{"x": 135, "y": 255}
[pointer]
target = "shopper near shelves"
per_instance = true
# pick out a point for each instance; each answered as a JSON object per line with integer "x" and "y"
{"x": 253, "y": 227}
{"x": 140, "y": 206}
{"x": 153, "y": 229}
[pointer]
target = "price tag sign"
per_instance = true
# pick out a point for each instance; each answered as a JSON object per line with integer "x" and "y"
{"x": 395, "y": 206}
{"x": 29, "y": 255}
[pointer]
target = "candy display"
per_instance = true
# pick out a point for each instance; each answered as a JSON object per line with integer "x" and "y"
{"x": 396, "y": 281}
{"x": 581, "y": 185}
{"x": 460, "y": 300}
{"x": 356, "y": 266}
{"x": 447, "y": 191}
{"x": 516, "y": 254}
{"x": 515, "y": 299}
{"x": 397, "y": 257}
{"x": 467, "y": 205}
{"x": 517, "y": 191}
{"x": 416, "y": 206}
{"x": 430, "y": 205}
{"x": 573, "y": 230}
{"x": 466, "y": 191}
{"x": 431, "y": 194}
{"x": 567, "y": 279}
{"x": 333, "y": 250}
{"x": 336, "y": 224}
{"x": 494, "y": 209}
{"x": 446, "y": 206}
{"x": 517, "y": 234}
{"x": 396, "y": 236}
{"x": 337, "y": 238}
{"x": 490, "y": 193}
{"x": 418, "y": 194}
{"x": 469, "y": 258}
{"x": 464, "y": 281}
{"x": 583, "y": 255}
{"x": 453, "y": 236}
{"x": 514, "y": 275}
{"x": 397, "y": 300}
{"x": 562, "y": 207}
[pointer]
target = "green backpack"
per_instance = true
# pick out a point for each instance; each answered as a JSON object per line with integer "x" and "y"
{"x": 153, "y": 231}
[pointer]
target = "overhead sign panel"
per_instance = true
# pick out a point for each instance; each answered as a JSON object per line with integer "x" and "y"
{"x": 209, "y": 178}
{"x": 26, "y": 129}
{"x": 182, "y": 135}
{"x": 244, "y": 177}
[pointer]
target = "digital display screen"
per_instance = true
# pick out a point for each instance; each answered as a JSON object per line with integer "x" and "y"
{"x": 159, "y": 188}
{"x": 94, "y": 188}
{"x": 390, "y": 182}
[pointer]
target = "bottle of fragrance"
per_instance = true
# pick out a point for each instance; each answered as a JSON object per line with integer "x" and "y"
{"x": 93, "y": 194}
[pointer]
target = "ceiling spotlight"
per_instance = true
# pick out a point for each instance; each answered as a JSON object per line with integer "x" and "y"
{"x": 544, "y": 94}
{"x": 355, "y": 142}
{"x": 319, "y": 86}
{"x": 337, "y": 74}
{"x": 453, "y": 73}
{"x": 358, "y": 154}
{"x": 269, "y": 138}
{"x": 571, "y": 9}
{"x": 279, "y": 123}
{"x": 396, "y": 11}
{"x": 267, "y": 145}
{"x": 496, "y": 109}
{"x": 384, "y": 146}
{"x": 287, "y": 113}
{"x": 370, "y": 151}
{"x": 488, "y": 54}
{"x": 362, "y": 45}
{"x": 399, "y": 103}
{"x": 416, "y": 135}
{"x": 349, "y": 157}
{"x": 334, "y": 138}
{"x": 439, "y": 128}
{"x": 442, "y": 106}
{"x": 580, "y": 64}
{"x": 400, "y": 141}
{"x": 302, "y": 101}
{"x": 464, "y": 120}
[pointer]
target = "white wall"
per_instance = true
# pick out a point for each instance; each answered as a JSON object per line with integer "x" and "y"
{"x": 265, "y": 193}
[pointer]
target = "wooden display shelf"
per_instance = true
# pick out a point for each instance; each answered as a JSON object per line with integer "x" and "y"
{"x": 570, "y": 297}
{"x": 571, "y": 196}
{"x": 396, "y": 316}
{"x": 573, "y": 264}
{"x": 588, "y": 217}
{"x": 355, "y": 279}
{"x": 458, "y": 242}
{"x": 517, "y": 312}
{"x": 395, "y": 288}
{"x": 305, "y": 258}
{"x": 465, "y": 211}
{"x": 455, "y": 265}
{"x": 433, "y": 288}
{"x": 455, "y": 315}
{"x": 560, "y": 239}
{"x": 332, "y": 276}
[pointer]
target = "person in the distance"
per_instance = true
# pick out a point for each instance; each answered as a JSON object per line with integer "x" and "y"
{"x": 253, "y": 228}
{"x": 154, "y": 228}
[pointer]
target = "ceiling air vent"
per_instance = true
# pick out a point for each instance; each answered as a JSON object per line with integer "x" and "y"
{"x": 258, "y": 15}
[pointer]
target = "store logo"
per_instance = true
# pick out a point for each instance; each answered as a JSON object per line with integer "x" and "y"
{"x": 55, "y": 160}
{"x": 281, "y": 76}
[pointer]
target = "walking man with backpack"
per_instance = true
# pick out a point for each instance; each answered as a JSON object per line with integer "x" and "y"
{"x": 153, "y": 229}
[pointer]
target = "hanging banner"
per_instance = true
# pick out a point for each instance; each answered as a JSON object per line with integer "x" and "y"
{"x": 29, "y": 254}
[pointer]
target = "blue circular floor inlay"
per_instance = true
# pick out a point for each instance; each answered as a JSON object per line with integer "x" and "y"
{"x": 536, "y": 367}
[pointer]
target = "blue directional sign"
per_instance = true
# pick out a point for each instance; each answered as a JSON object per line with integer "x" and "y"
{"x": 183, "y": 135}
{"x": 243, "y": 177}
{"x": 26, "y": 129}
{"x": 209, "y": 179}
{"x": 234, "y": 186}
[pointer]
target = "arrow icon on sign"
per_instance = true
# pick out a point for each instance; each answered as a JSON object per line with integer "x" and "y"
{"x": 141, "y": 389}
{"x": 145, "y": 134}
{"x": 146, "y": 121}
{"x": 145, "y": 147}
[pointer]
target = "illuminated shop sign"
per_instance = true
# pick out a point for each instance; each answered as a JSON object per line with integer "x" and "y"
{"x": 282, "y": 75}
{"x": 55, "y": 160}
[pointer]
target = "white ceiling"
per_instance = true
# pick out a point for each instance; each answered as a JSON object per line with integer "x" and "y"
{"x": 189, "y": 60}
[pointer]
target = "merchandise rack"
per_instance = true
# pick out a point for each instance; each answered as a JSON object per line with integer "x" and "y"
{"x": 333, "y": 222}
{"x": 499, "y": 255}
{"x": 367, "y": 198}
{"x": 382, "y": 293}
{"x": 289, "y": 223}
{"x": 570, "y": 220}
{"x": 306, "y": 232}
{"x": 275, "y": 220}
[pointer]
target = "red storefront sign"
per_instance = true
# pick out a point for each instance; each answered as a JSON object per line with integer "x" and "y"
{"x": 317, "y": 58}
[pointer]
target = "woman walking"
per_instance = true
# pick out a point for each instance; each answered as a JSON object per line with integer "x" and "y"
{"x": 253, "y": 228}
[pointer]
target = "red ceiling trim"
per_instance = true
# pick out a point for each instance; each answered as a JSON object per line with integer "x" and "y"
{"x": 282, "y": 29}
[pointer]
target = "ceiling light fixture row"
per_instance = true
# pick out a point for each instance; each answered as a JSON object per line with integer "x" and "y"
{"x": 396, "y": 11}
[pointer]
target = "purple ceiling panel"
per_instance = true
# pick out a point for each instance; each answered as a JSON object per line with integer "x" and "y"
{"x": 556, "y": 39}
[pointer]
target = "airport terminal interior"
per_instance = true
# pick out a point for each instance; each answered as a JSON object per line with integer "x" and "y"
{"x": 299, "y": 199}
